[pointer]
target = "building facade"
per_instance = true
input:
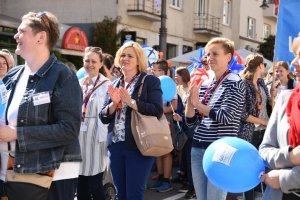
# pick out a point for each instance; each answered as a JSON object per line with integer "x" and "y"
{"x": 190, "y": 23}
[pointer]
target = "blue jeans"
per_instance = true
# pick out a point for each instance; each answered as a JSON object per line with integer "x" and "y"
{"x": 205, "y": 190}
{"x": 130, "y": 171}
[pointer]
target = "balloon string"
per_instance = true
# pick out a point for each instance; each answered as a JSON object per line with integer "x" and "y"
{"x": 174, "y": 114}
{"x": 262, "y": 189}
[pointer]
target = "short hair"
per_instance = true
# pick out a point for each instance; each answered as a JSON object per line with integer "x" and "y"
{"x": 227, "y": 44}
{"x": 184, "y": 73}
{"x": 140, "y": 55}
{"x": 44, "y": 21}
{"x": 4, "y": 53}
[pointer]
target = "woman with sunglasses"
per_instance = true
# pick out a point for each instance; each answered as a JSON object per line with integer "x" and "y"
{"x": 93, "y": 132}
{"x": 43, "y": 114}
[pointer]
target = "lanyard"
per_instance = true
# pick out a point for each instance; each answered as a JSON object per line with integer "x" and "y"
{"x": 87, "y": 97}
{"x": 210, "y": 90}
{"x": 259, "y": 102}
{"x": 119, "y": 106}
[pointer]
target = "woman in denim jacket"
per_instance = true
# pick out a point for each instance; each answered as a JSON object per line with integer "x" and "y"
{"x": 44, "y": 109}
{"x": 130, "y": 169}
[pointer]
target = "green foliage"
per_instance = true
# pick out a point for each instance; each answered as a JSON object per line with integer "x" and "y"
{"x": 267, "y": 47}
{"x": 106, "y": 36}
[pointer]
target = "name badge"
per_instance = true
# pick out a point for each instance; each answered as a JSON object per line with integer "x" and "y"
{"x": 3, "y": 94}
{"x": 83, "y": 127}
{"x": 41, "y": 98}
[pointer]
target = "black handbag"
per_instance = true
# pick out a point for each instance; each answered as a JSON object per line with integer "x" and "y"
{"x": 27, "y": 186}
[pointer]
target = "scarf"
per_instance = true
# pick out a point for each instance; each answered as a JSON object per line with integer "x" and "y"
{"x": 293, "y": 115}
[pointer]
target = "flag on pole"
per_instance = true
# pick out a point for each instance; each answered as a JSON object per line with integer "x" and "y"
{"x": 288, "y": 29}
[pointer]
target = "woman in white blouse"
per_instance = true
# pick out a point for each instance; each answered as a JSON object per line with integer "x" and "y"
{"x": 93, "y": 133}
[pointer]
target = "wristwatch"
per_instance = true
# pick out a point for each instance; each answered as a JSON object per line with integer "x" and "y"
{"x": 132, "y": 102}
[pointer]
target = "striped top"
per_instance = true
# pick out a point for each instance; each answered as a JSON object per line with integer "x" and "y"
{"x": 226, "y": 108}
{"x": 93, "y": 138}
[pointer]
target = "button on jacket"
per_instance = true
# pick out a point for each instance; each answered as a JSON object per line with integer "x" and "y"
{"x": 47, "y": 134}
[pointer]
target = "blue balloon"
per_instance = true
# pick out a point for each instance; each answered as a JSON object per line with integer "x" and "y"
{"x": 81, "y": 73}
{"x": 233, "y": 165}
{"x": 237, "y": 68}
{"x": 168, "y": 88}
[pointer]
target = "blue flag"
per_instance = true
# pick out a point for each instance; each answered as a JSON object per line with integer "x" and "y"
{"x": 288, "y": 29}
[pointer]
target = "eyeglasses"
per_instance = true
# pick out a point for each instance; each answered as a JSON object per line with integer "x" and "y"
{"x": 93, "y": 49}
{"x": 44, "y": 19}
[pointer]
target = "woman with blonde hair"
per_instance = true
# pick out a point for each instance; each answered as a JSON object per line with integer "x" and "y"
{"x": 215, "y": 110}
{"x": 6, "y": 62}
{"x": 130, "y": 169}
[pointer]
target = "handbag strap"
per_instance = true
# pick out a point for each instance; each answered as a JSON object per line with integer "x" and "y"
{"x": 141, "y": 86}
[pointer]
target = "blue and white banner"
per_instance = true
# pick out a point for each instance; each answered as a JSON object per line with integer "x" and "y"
{"x": 288, "y": 29}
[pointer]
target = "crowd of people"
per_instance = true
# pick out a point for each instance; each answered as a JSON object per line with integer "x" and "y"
{"x": 69, "y": 130}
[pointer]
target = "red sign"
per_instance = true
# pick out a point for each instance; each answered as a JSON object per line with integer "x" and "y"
{"x": 75, "y": 39}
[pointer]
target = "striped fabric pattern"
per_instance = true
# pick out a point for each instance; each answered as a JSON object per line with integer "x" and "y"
{"x": 224, "y": 119}
{"x": 93, "y": 141}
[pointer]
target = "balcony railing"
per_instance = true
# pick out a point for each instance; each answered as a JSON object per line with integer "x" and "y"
{"x": 145, "y": 8}
{"x": 271, "y": 12}
{"x": 206, "y": 24}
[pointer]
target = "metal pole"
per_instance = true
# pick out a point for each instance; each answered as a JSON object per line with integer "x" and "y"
{"x": 163, "y": 29}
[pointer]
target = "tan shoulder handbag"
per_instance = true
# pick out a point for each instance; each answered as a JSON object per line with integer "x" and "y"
{"x": 152, "y": 136}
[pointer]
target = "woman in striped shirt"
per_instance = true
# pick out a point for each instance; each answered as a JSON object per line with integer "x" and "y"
{"x": 215, "y": 110}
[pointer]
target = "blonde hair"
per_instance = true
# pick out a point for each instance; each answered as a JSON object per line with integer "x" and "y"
{"x": 140, "y": 55}
{"x": 227, "y": 44}
{"x": 44, "y": 21}
{"x": 4, "y": 53}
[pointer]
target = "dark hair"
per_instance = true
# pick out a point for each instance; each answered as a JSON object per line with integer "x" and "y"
{"x": 44, "y": 21}
{"x": 286, "y": 67}
{"x": 184, "y": 73}
{"x": 162, "y": 65}
{"x": 251, "y": 64}
{"x": 108, "y": 60}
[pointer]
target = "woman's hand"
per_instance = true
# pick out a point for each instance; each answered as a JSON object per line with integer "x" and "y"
{"x": 194, "y": 95}
{"x": 272, "y": 179}
{"x": 8, "y": 133}
{"x": 177, "y": 117}
{"x": 125, "y": 97}
{"x": 114, "y": 94}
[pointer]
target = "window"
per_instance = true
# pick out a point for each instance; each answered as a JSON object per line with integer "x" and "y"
{"x": 186, "y": 49}
{"x": 201, "y": 8}
{"x": 226, "y": 12}
{"x": 171, "y": 50}
{"x": 176, "y": 4}
{"x": 267, "y": 30}
{"x": 251, "y": 32}
{"x": 140, "y": 40}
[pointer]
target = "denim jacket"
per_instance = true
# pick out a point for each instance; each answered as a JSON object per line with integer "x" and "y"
{"x": 47, "y": 134}
{"x": 149, "y": 103}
